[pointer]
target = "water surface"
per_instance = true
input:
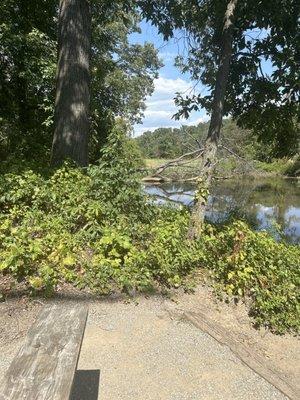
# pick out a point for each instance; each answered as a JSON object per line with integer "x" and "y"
{"x": 266, "y": 204}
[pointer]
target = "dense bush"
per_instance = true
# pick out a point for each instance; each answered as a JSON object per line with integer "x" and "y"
{"x": 95, "y": 229}
{"x": 293, "y": 167}
{"x": 253, "y": 264}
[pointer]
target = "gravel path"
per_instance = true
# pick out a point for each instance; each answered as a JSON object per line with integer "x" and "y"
{"x": 144, "y": 353}
{"x": 141, "y": 352}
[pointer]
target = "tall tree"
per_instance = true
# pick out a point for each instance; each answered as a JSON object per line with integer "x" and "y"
{"x": 261, "y": 31}
{"x": 213, "y": 135}
{"x": 72, "y": 104}
{"x": 122, "y": 73}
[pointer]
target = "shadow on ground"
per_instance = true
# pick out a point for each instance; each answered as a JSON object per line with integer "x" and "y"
{"x": 86, "y": 385}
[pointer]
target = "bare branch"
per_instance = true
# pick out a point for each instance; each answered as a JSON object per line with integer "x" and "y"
{"x": 232, "y": 152}
{"x": 184, "y": 159}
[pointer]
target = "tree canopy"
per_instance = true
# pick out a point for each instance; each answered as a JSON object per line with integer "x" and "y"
{"x": 265, "y": 34}
{"x": 263, "y": 83}
{"x": 122, "y": 73}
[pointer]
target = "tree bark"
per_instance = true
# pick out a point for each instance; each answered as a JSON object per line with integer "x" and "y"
{"x": 72, "y": 104}
{"x": 211, "y": 144}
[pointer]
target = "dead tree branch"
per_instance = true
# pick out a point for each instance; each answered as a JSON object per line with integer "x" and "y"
{"x": 184, "y": 159}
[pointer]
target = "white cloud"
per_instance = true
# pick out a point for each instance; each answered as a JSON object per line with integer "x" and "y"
{"x": 161, "y": 107}
{"x": 167, "y": 56}
{"x": 157, "y": 114}
{"x": 199, "y": 120}
{"x": 159, "y": 103}
{"x": 171, "y": 86}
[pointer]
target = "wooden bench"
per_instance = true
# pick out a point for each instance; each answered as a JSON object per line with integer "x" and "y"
{"x": 44, "y": 367}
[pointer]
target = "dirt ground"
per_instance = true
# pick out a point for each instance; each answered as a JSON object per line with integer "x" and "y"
{"x": 144, "y": 348}
{"x": 283, "y": 351}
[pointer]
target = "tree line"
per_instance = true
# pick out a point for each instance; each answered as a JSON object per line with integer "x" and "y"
{"x": 168, "y": 143}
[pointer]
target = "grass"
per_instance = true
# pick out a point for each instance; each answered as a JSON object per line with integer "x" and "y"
{"x": 176, "y": 173}
{"x": 155, "y": 162}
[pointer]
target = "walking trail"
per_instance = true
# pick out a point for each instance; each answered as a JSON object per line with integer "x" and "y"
{"x": 146, "y": 349}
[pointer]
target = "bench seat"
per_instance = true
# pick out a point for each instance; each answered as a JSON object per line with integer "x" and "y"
{"x": 45, "y": 366}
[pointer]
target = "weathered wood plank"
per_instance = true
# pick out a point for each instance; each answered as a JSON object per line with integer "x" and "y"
{"x": 44, "y": 367}
{"x": 253, "y": 360}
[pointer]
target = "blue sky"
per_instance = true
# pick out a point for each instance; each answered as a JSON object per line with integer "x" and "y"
{"x": 160, "y": 106}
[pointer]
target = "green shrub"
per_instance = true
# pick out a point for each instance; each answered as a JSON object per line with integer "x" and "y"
{"x": 293, "y": 167}
{"x": 168, "y": 254}
{"x": 95, "y": 229}
{"x": 115, "y": 181}
{"x": 253, "y": 264}
{"x": 277, "y": 166}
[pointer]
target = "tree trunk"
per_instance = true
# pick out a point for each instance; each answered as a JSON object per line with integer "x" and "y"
{"x": 72, "y": 102}
{"x": 211, "y": 143}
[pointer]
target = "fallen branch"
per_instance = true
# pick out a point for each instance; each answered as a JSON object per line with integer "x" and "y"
{"x": 237, "y": 156}
{"x": 184, "y": 159}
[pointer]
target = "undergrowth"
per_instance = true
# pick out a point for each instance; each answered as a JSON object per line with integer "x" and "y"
{"x": 284, "y": 166}
{"x": 95, "y": 229}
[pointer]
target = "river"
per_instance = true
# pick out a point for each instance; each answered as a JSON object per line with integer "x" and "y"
{"x": 271, "y": 204}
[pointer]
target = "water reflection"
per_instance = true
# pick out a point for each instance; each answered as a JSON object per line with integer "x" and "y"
{"x": 266, "y": 204}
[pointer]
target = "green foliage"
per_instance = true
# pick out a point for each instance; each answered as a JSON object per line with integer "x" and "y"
{"x": 27, "y": 75}
{"x": 96, "y": 230}
{"x": 262, "y": 91}
{"x": 122, "y": 74}
{"x": 281, "y": 166}
{"x": 170, "y": 142}
{"x": 239, "y": 151}
{"x": 55, "y": 226}
{"x": 242, "y": 144}
{"x": 168, "y": 254}
{"x": 276, "y": 166}
{"x": 173, "y": 142}
{"x": 114, "y": 178}
{"x": 71, "y": 227}
{"x": 293, "y": 167}
{"x": 247, "y": 263}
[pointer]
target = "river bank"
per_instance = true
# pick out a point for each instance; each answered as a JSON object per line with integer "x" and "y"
{"x": 225, "y": 169}
{"x": 271, "y": 203}
{"x": 96, "y": 230}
